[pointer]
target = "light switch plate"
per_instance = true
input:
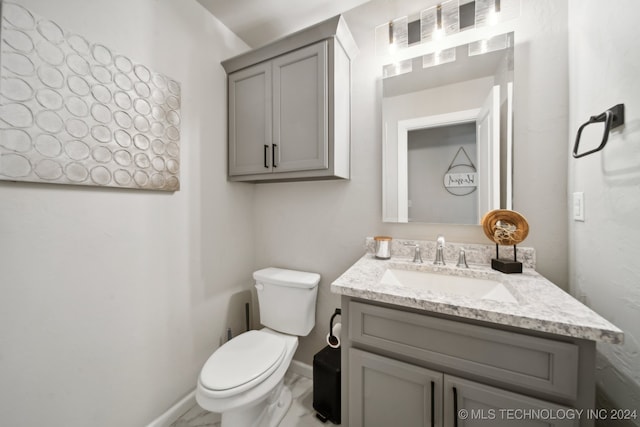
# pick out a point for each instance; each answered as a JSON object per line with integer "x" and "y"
{"x": 578, "y": 206}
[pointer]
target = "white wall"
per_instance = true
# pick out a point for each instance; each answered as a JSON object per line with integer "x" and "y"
{"x": 605, "y": 250}
{"x": 321, "y": 226}
{"x": 111, "y": 300}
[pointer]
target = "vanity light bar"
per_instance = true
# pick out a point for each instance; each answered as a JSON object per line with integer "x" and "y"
{"x": 445, "y": 19}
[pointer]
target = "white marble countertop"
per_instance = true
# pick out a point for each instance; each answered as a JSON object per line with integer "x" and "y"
{"x": 542, "y": 306}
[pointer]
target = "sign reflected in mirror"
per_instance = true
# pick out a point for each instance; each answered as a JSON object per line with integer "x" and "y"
{"x": 447, "y": 134}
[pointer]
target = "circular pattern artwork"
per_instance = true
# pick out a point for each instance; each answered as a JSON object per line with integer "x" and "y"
{"x": 79, "y": 44}
{"x": 15, "y": 140}
{"x": 18, "y": 17}
{"x": 76, "y": 112}
{"x": 50, "y": 31}
{"x": 48, "y": 169}
{"x": 19, "y": 64}
{"x": 50, "y": 76}
{"x": 76, "y": 106}
{"x": 49, "y": 99}
{"x": 77, "y": 150}
{"x": 77, "y": 64}
{"x": 48, "y": 145}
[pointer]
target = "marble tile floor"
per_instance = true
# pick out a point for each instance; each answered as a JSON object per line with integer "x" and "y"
{"x": 300, "y": 414}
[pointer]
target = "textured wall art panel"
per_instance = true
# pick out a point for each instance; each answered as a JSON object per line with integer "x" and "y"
{"x": 76, "y": 112}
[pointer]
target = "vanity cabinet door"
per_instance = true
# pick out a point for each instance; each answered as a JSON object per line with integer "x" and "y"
{"x": 384, "y": 392}
{"x": 250, "y": 120}
{"x": 300, "y": 110}
{"x": 470, "y": 404}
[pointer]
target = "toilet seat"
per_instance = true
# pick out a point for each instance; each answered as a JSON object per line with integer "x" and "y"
{"x": 242, "y": 362}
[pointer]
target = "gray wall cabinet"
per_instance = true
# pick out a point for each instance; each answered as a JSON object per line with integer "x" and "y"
{"x": 289, "y": 109}
{"x": 410, "y": 368}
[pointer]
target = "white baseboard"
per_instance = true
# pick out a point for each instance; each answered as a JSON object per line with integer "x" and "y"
{"x": 301, "y": 369}
{"x": 175, "y": 412}
{"x": 187, "y": 402}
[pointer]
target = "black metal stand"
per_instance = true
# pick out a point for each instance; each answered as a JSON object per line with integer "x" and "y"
{"x": 506, "y": 265}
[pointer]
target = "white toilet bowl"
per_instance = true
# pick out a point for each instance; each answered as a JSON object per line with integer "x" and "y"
{"x": 244, "y": 378}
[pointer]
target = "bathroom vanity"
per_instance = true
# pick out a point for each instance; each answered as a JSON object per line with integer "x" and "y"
{"x": 290, "y": 107}
{"x": 427, "y": 345}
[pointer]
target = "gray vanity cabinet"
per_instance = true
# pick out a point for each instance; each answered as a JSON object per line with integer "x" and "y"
{"x": 289, "y": 108}
{"x": 387, "y": 392}
{"x": 410, "y": 368}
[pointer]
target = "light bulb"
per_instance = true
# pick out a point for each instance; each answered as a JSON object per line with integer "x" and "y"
{"x": 493, "y": 17}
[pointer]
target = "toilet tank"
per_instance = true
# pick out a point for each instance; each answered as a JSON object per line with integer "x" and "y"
{"x": 287, "y": 299}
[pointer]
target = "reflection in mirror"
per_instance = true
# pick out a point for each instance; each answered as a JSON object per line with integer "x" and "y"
{"x": 447, "y": 135}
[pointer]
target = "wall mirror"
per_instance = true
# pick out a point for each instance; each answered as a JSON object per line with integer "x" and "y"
{"x": 448, "y": 133}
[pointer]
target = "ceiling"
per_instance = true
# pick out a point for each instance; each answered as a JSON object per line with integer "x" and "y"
{"x": 258, "y": 22}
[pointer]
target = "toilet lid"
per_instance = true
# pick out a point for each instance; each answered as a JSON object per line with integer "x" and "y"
{"x": 243, "y": 361}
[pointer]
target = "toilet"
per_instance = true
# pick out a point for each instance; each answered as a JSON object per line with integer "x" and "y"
{"x": 244, "y": 378}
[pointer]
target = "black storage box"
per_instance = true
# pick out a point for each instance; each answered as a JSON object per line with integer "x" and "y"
{"x": 326, "y": 384}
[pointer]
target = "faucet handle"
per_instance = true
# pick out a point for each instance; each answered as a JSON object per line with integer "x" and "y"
{"x": 462, "y": 260}
{"x": 417, "y": 255}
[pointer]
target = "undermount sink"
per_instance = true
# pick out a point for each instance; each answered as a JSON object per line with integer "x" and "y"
{"x": 484, "y": 289}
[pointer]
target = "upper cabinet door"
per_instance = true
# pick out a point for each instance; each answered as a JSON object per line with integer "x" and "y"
{"x": 300, "y": 110}
{"x": 250, "y": 120}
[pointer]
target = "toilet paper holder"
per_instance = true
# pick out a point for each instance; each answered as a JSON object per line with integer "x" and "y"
{"x": 333, "y": 340}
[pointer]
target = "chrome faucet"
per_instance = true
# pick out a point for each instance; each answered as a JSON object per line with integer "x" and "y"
{"x": 439, "y": 251}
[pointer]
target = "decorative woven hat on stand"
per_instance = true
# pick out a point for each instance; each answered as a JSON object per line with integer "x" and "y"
{"x": 505, "y": 227}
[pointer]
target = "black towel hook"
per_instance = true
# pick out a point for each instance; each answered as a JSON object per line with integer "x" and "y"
{"x": 612, "y": 118}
